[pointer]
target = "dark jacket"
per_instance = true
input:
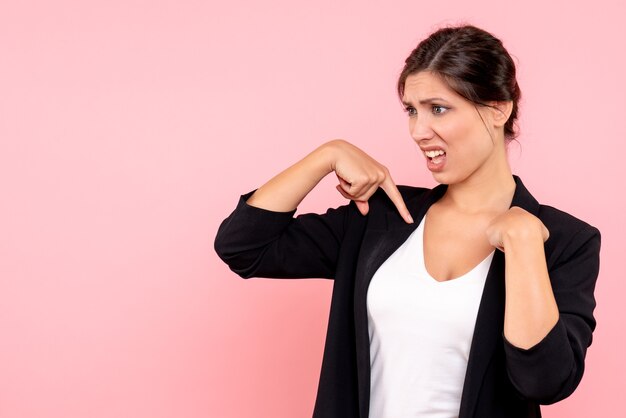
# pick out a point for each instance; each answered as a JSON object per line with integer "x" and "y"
{"x": 342, "y": 244}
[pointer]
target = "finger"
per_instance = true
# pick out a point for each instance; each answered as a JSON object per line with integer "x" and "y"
{"x": 546, "y": 233}
{"x": 492, "y": 238}
{"x": 394, "y": 194}
{"x": 345, "y": 186}
{"x": 364, "y": 197}
{"x": 351, "y": 188}
{"x": 363, "y": 206}
{"x": 344, "y": 193}
{"x": 362, "y": 200}
{"x": 368, "y": 193}
{"x": 362, "y": 183}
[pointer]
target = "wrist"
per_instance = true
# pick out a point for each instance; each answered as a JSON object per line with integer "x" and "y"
{"x": 523, "y": 238}
{"x": 321, "y": 160}
{"x": 326, "y": 155}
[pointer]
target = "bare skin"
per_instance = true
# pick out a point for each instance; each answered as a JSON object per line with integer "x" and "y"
{"x": 473, "y": 217}
{"x": 359, "y": 177}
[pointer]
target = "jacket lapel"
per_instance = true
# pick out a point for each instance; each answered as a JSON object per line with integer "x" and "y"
{"x": 379, "y": 244}
{"x": 490, "y": 318}
{"x": 489, "y": 325}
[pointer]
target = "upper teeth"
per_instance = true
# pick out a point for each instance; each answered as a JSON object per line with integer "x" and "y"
{"x": 432, "y": 154}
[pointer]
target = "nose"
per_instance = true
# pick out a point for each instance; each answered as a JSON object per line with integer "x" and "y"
{"x": 420, "y": 128}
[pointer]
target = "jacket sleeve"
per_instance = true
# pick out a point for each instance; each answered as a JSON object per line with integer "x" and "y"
{"x": 257, "y": 242}
{"x": 551, "y": 370}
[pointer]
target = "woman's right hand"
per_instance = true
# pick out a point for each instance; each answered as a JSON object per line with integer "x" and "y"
{"x": 360, "y": 176}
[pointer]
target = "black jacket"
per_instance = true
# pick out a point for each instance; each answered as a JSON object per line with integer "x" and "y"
{"x": 342, "y": 244}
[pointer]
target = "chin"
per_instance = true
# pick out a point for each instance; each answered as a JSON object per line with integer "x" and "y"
{"x": 449, "y": 178}
{"x": 443, "y": 178}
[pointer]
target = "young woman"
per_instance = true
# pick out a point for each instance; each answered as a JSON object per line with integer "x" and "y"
{"x": 470, "y": 299}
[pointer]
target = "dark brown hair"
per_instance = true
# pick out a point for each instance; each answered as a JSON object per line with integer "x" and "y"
{"x": 473, "y": 63}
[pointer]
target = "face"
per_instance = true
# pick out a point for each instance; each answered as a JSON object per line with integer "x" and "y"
{"x": 456, "y": 144}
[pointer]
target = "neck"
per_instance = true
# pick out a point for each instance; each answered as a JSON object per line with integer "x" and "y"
{"x": 486, "y": 191}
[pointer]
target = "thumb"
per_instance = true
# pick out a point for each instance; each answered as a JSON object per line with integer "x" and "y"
{"x": 363, "y": 206}
{"x": 546, "y": 233}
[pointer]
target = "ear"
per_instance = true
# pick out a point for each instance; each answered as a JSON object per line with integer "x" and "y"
{"x": 501, "y": 111}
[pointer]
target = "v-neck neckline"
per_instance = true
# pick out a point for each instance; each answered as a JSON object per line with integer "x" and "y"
{"x": 421, "y": 228}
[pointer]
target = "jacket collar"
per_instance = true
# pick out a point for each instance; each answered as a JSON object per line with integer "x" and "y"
{"x": 378, "y": 245}
{"x": 419, "y": 205}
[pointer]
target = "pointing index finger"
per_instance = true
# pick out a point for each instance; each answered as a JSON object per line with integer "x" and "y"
{"x": 396, "y": 197}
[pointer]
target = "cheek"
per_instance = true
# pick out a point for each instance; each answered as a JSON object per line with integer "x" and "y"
{"x": 466, "y": 138}
{"x": 458, "y": 131}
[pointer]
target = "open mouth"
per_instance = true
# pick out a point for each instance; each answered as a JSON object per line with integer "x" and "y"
{"x": 435, "y": 156}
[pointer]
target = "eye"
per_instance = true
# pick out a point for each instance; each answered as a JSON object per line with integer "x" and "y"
{"x": 438, "y": 109}
{"x": 410, "y": 110}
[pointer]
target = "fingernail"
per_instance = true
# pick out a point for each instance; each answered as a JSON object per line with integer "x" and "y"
{"x": 410, "y": 218}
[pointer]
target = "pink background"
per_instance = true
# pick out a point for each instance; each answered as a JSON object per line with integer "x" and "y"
{"x": 128, "y": 130}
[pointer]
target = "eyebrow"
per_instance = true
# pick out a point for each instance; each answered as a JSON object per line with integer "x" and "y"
{"x": 429, "y": 100}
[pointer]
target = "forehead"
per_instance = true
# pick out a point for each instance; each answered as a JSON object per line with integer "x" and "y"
{"x": 425, "y": 84}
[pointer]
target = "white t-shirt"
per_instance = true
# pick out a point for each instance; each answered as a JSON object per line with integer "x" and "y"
{"x": 420, "y": 334}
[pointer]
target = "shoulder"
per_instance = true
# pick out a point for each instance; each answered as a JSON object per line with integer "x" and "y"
{"x": 560, "y": 221}
{"x": 568, "y": 234}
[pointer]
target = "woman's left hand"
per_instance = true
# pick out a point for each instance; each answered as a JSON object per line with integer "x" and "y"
{"x": 515, "y": 224}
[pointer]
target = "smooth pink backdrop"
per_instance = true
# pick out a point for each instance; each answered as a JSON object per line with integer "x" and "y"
{"x": 128, "y": 130}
